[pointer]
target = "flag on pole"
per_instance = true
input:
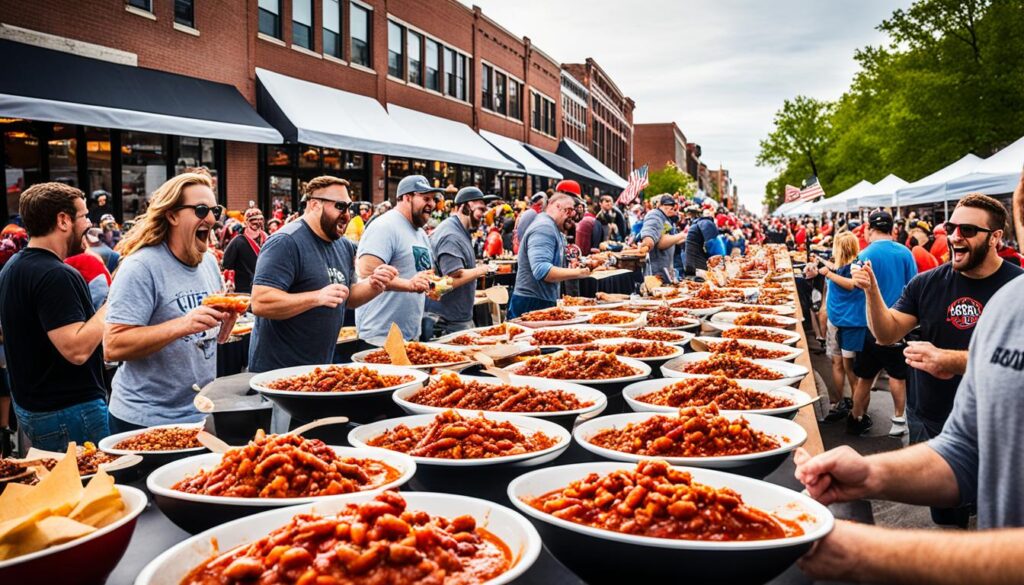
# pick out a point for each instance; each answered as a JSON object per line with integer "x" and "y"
{"x": 792, "y": 193}
{"x": 812, "y": 190}
{"x": 637, "y": 182}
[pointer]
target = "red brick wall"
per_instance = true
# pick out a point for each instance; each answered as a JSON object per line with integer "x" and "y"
{"x": 654, "y": 145}
{"x": 242, "y": 174}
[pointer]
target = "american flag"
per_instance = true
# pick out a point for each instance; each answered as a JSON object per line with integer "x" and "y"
{"x": 812, "y": 190}
{"x": 792, "y": 193}
{"x": 637, "y": 182}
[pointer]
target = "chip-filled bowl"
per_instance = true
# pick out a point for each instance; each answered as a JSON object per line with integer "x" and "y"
{"x": 197, "y": 512}
{"x": 82, "y": 561}
{"x": 597, "y": 554}
{"x": 565, "y": 418}
{"x": 632, "y": 393}
{"x": 789, "y": 435}
{"x": 358, "y": 405}
{"x": 522, "y": 539}
{"x": 791, "y": 373}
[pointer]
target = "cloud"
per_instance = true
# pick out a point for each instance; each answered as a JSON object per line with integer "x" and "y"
{"x": 718, "y": 68}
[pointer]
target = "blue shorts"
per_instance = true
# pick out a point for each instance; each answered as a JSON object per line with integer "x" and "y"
{"x": 852, "y": 338}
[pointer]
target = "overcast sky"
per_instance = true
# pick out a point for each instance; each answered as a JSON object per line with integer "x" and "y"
{"x": 718, "y": 68}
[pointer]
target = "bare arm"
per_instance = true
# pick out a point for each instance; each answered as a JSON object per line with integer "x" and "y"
{"x": 368, "y": 263}
{"x": 467, "y": 275}
{"x": 558, "y": 274}
{"x": 77, "y": 341}
{"x": 272, "y": 303}
{"x": 870, "y": 554}
{"x": 842, "y": 281}
{"x": 888, "y": 326}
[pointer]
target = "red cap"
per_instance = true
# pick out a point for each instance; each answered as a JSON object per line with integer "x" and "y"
{"x": 569, "y": 186}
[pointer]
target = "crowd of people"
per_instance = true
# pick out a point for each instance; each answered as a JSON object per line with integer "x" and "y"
{"x": 105, "y": 328}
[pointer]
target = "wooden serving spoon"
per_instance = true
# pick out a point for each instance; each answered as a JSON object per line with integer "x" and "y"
{"x": 201, "y": 402}
{"x": 490, "y": 368}
{"x": 212, "y": 442}
{"x": 699, "y": 345}
{"x": 320, "y": 422}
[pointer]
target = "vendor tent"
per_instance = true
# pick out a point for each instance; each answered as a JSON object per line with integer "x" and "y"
{"x": 996, "y": 175}
{"x": 932, "y": 189}
{"x": 880, "y": 195}
{"x": 839, "y": 202}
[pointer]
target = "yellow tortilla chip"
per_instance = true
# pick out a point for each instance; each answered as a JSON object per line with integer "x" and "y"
{"x": 100, "y": 503}
{"x": 61, "y": 488}
{"x": 13, "y": 529}
{"x": 394, "y": 345}
{"x": 49, "y": 531}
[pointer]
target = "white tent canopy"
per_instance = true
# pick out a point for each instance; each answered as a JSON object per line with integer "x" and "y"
{"x": 932, "y": 189}
{"x": 881, "y": 194}
{"x": 839, "y": 202}
{"x": 781, "y": 210}
{"x": 457, "y": 142}
{"x": 996, "y": 175}
{"x": 517, "y": 152}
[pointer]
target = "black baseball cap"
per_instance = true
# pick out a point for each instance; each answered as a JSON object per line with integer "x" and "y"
{"x": 666, "y": 199}
{"x": 467, "y": 194}
{"x": 881, "y": 221}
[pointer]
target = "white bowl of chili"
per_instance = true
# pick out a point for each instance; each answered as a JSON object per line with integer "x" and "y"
{"x": 151, "y": 458}
{"x": 195, "y": 512}
{"x": 609, "y": 555}
{"x": 637, "y": 396}
{"x": 505, "y": 531}
{"x": 788, "y": 374}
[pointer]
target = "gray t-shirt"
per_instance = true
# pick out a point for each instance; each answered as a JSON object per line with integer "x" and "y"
{"x": 296, "y": 260}
{"x": 655, "y": 226}
{"x": 393, "y": 239}
{"x": 453, "y": 251}
{"x": 541, "y": 249}
{"x": 153, "y": 287}
{"x": 983, "y": 440}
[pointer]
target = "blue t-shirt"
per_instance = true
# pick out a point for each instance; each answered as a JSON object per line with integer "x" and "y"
{"x": 153, "y": 287}
{"x": 893, "y": 265}
{"x": 393, "y": 239}
{"x": 296, "y": 260}
{"x": 845, "y": 307}
{"x": 541, "y": 248}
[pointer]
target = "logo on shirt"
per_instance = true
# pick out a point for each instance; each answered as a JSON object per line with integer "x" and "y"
{"x": 335, "y": 276}
{"x": 963, "y": 313}
{"x": 1010, "y": 358}
{"x": 421, "y": 256}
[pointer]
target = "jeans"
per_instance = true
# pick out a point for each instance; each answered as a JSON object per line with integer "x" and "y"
{"x": 517, "y": 305}
{"x": 118, "y": 426}
{"x": 53, "y": 430}
{"x": 432, "y": 322}
{"x": 921, "y": 430}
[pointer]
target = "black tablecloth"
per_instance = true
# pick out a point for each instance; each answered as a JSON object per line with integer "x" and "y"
{"x": 624, "y": 284}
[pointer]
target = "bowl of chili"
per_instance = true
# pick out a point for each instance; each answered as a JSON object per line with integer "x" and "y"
{"x": 757, "y": 374}
{"x": 669, "y": 394}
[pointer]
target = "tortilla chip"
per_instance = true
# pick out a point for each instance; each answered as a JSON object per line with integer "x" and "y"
{"x": 49, "y": 531}
{"x": 12, "y": 530}
{"x": 394, "y": 345}
{"x": 62, "y": 487}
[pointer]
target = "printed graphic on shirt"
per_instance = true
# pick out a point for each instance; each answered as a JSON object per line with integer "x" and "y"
{"x": 963, "y": 313}
{"x": 335, "y": 276}
{"x": 1010, "y": 358}
{"x": 422, "y": 257}
{"x": 206, "y": 341}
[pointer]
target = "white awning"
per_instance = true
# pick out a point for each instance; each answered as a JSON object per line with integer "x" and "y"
{"x": 575, "y": 151}
{"x": 449, "y": 141}
{"x": 517, "y": 152}
{"x": 996, "y": 175}
{"x": 932, "y": 189}
{"x": 311, "y": 113}
{"x": 840, "y": 201}
{"x": 881, "y": 194}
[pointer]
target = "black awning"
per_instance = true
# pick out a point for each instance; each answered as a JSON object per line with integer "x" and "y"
{"x": 570, "y": 169}
{"x": 53, "y": 86}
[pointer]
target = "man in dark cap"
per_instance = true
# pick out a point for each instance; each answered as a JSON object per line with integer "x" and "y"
{"x": 454, "y": 257}
{"x": 657, "y": 234}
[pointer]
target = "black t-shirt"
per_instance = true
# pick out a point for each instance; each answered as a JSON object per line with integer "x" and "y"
{"x": 240, "y": 257}
{"x": 39, "y": 293}
{"x": 947, "y": 305}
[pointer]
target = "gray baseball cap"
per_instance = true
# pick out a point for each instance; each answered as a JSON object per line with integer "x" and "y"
{"x": 416, "y": 184}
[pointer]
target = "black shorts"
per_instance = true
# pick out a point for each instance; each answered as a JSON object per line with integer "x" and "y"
{"x": 874, "y": 358}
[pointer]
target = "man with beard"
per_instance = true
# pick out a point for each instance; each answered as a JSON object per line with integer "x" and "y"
{"x": 946, "y": 303}
{"x": 156, "y": 322}
{"x": 305, "y": 278}
{"x": 242, "y": 252}
{"x": 51, "y": 330}
{"x": 611, "y": 216}
{"x": 658, "y": 235}
{"x": 397, "y": 239}
{"x": 454, "y": 257}
{"x": 542, "y": 258}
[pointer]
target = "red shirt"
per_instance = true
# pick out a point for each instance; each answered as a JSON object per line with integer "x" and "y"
{"x": 924, "y": 260}
{"x": 88, "y": 266}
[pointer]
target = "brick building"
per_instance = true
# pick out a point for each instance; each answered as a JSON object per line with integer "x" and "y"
{"x": 369, "y": 90}
{"x": 655, "y": 145}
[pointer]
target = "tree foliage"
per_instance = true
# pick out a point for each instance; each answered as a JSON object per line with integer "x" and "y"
{"x": 670, "y": 179}
{"x": 950, "y": 81}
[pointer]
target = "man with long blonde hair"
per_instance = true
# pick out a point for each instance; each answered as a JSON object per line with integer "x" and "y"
{"x": 156, "y": 322}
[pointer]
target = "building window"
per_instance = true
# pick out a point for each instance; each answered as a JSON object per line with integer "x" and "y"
{"x": 146, "y": 5}
{"x": 396, "y": 51}
{"x": 535, "y": 112}
{"x": 433, "y": 64}
{"x": 542, "y": 115}
{"x": 302, "y": 23}
{"x": 270, "y": 18}
{"x": 500, "y": 83}
{"x": 185, "y": 13}
{"x": 143, "y": 169}
{"x": 332, "y": 28}
{"x": 461, "y": 81}
{"x": 360, "y": 25}
{"x": 415, "y": 46}
{"x": 487, "y": 99}
{"x": 515, "y": 104}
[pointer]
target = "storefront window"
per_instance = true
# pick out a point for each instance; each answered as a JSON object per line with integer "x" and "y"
{"x": 97, "y": 151}
{"x": 279, "y": 156}
{"x": 143, "y": 169}
{"x": 332, "y": 158}
{"x": 62, "y": 148}
{"x": 196, "y": 152}
{"x": 22, "y": 167}
{"x": 280, "y": 194}
{"x": 309, "y": 157}
{"x": 354, "y": 160}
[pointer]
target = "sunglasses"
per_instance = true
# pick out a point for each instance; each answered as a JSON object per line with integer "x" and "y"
{"x": 341, "y": 206}
{"x": 967, "y": 230}
{"x": 202, "y": 210}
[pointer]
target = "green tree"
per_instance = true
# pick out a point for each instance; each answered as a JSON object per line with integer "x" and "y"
{"x": 670, "y": 179}
{"x": 798, "y": 143}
